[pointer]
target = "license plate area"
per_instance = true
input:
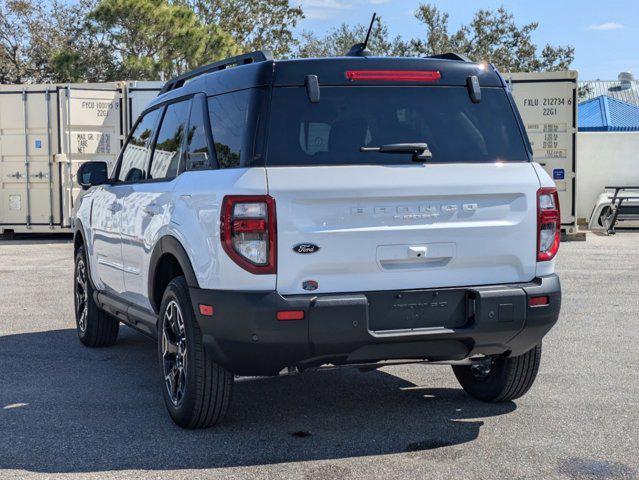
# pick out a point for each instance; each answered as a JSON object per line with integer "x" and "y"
{"x": 417, "y": 309}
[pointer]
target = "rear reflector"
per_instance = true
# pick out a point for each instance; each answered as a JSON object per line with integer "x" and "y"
{"x": 286, "y": 315}
{"x": 538, "y": 301}
{"x": 206, "y": 310}
{"x": 249, "y": 225}
{"x": 393, "y": 75}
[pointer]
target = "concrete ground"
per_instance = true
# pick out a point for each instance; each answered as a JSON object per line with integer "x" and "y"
{"x": 72, "y": 412}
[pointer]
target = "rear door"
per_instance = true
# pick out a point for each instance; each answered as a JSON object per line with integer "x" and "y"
{"x": 147, "y": 204}
{"x": 351, "y": 221}
{"x": 115, "y": 210}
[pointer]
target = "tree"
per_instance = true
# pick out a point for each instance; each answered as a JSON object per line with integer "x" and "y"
{"x": 49, "y": 43}
{"x": 255, "y": 25}
{"x": 340, "y": 40}
{"x": 15, "y": 26}
{"x": 491, "y": 36}
{"x": 63, "y": 49}
{"x": 153, "y": 39}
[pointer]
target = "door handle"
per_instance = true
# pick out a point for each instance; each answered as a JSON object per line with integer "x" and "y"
{"x": 115, "y": 207}
{"x": 152, "y": 210}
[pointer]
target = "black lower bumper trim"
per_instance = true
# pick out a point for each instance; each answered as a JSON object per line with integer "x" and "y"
{"x": 245, "y": 336}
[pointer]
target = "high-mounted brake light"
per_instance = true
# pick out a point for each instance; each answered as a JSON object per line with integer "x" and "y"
{"x": 548, "y": 224}
{"x": 416, "y": 76}
{"x": 248, "y": 232}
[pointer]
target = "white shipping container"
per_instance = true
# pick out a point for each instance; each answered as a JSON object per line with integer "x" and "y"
{"x": 547, "y": 102}
{"x": 46, "y": 132}
{"x": 139, "y": 94}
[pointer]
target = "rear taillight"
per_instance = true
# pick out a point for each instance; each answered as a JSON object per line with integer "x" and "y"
{"x": 548, "y": 224}
{"x": 416, "y": 76}
{"x": 248, "y": 233}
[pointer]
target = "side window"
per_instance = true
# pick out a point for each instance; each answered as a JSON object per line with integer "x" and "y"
{"x": 198, "y": 156}
{"x": 168, "y": 146}
{"x": 229, "y": 121}
{"x": 133, "y": 164}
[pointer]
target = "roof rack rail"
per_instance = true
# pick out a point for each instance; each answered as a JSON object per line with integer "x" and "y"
{"x": 245, "y": 59}
{"x": 452, "y": 56}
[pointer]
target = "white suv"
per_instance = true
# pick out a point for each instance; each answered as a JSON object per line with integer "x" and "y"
{"x": 286, "y": 215}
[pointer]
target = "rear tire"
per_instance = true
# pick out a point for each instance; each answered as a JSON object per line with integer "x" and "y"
{"x": 505, "y": 380}
{"x": 196, "y": 390}
{"x": 95, "y": 327}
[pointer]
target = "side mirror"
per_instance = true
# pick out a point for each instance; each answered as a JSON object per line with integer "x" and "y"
{"x": 91, "y": 174}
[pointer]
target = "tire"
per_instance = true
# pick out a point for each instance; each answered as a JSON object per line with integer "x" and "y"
{"x": 505, "y": 380}
{"x": 196, "y": 390}
{"x": 95, "y": 327}
{"x": 605, "y": 212}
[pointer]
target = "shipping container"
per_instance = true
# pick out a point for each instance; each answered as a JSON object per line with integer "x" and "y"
{"x": 547, "y": 102}
{"x": 46, "y": 132}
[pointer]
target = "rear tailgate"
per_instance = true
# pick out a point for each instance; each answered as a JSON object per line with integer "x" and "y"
{"x": 414, "y": 226}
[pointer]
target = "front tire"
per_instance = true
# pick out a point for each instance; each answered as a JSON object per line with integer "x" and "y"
{"x": 502, "y": 380}
{"x": 196, "y": 391}
{"x": 95, "y": 327}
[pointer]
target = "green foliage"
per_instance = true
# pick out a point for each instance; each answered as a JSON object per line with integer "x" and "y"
{"x": 491, "y": 36}
{"x": 152, "y": 39}
{"x": 15, "y": 29}
{"x": 255, "y": 24}
{"x": 48, "y": 43}
{"x": 102, "y": 40}
{"x": 339, "y": 41}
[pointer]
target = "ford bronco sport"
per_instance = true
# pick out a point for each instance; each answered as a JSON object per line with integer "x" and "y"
{"x": 268, "y": 216}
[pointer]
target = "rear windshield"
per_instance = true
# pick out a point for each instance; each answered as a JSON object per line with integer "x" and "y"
{"x": 332, "y": 131}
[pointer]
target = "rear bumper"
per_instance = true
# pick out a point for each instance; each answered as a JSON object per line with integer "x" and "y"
{"x": 244, "y": 335}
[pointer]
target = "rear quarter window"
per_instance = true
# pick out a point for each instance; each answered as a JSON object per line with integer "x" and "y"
{"x": 234, "y": 119}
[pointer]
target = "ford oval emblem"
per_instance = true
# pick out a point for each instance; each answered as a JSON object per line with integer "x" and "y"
{"x": 310, "y": 285}
{"x": 305, "y": 248}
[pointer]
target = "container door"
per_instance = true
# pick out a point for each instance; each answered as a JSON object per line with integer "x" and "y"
{"x": 29, "y": 178}
{"x": 139, "y": 95}
{"x": 92, "y": 129}
{"x": 547, "y": 107}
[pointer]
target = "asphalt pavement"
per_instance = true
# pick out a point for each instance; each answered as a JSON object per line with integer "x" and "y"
{"x": 67, "y": 411}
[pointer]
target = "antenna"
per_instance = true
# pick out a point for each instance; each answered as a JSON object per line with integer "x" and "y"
{"x": 361, "y": 49}
{"x": 370, "y": 27}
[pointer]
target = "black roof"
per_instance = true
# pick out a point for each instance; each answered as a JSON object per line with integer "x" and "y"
{"x": 259, "y": 69}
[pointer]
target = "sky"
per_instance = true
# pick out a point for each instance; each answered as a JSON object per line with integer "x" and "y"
{"x": 605, "y": 34}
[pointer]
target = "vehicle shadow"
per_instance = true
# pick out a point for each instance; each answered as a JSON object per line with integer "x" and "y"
{"x": 67, "y": 408}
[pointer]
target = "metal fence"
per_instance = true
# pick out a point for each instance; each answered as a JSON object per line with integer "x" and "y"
{"x": 625, "y": 89}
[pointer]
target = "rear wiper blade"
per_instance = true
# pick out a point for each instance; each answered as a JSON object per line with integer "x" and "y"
{"x": 419, "y": 151}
